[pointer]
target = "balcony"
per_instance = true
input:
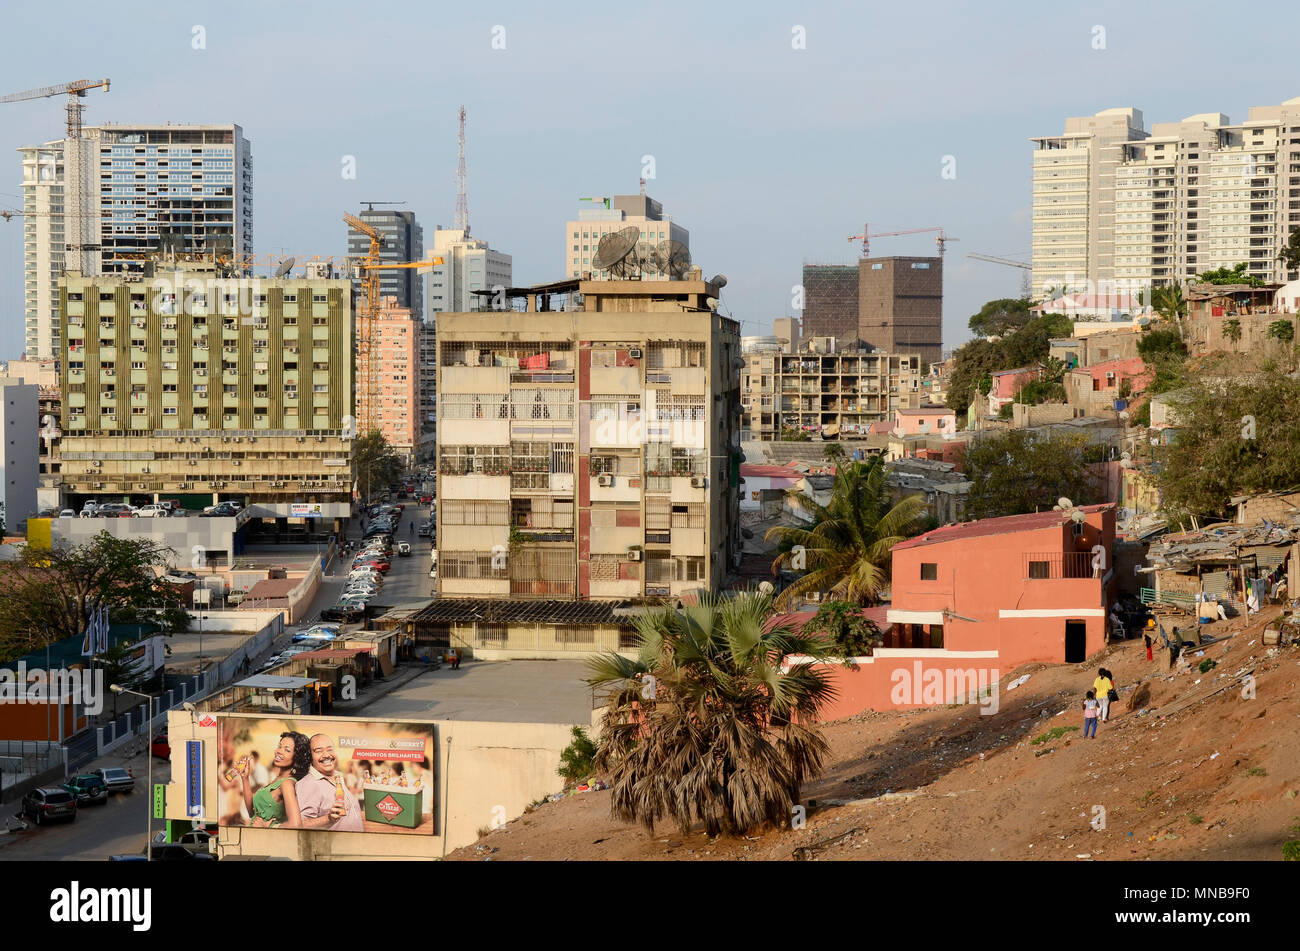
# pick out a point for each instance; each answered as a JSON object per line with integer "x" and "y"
{"x": 1043, "y": 566}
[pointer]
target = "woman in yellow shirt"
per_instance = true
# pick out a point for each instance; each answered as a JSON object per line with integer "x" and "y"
{"x": 1103, "y": 685}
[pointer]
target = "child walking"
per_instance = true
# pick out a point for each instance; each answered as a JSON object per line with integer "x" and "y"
{"x": 1090, "y": 711}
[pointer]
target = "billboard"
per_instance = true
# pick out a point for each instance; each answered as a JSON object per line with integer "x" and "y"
{"x": 326, "y": 773}
{"x": 305, "y": 510}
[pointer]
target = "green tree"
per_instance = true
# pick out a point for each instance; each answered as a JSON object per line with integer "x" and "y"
{"x": 119, "y": 667}
{"x": 1158, "y": 343}
{"x": 847, "y": 550}
{"x": 848, "y": 632}
{"x": 794, "y": 434}
{"x": 57, "y": 589}
{"x": 834, "y": 453}
{"x": 1245, "y": 441}
{"x": 1230, "y": 275}
{"x": 705, "y": 726}
{"x": 375, "y": 464}
{"x": 576, "y": 759}
{"x": 999, "y": 317}
{"x": 1232, "y": 329}
{"x": 1015, "y": 472}
{"x": 1290, "y": 255}
{"x": 1282, "y": 330}
{"x": 1169, "y": 302}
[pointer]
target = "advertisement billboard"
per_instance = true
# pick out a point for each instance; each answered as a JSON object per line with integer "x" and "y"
{"x": 326, "y": 773}
{"x": 306, "y": 510}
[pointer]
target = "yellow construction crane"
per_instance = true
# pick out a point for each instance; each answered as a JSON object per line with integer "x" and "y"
{"x": 367, "y": 319}
{"x": 75, "y": 90}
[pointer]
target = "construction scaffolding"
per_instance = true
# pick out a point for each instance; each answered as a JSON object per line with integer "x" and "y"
{"x": 830, "y": 301}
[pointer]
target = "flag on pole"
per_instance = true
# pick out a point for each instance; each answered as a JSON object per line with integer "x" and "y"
{"x": 88, "y": 642}
{"x": 103, "y": 630}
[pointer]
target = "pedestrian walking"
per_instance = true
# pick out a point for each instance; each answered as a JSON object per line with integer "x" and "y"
{"x": 1175, "y": 642}
{"x": 1104, "y": 685}
{"x": 1090, "y": 711}
{"x": 1146, "y": 636}
{"x": 412, "y": 528}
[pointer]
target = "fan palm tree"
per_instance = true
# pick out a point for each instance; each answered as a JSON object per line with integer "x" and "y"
{"x": 1169, "y": 303}
{"x": 847, "y": 550}
{"x": 705, "y": 725}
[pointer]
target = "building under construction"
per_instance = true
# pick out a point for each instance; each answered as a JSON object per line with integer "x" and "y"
{"x": 892, "y": 303}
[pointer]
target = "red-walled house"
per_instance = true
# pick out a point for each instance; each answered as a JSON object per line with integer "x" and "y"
{"x": 975, "y": 600}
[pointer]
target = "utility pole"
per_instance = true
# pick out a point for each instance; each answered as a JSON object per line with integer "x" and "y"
{"x": 462, "y": 198}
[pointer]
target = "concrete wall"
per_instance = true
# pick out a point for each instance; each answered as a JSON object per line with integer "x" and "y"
{"x": 478, "y": 767}
{"x": 19, "y": 452}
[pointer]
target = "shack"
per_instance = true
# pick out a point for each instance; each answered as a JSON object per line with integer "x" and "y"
{"x": 1229, "y": 564}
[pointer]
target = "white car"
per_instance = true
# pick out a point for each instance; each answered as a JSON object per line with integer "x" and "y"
{"x": 153, "y": 510}
{"x": 366, "y": 574}
{"x": 67, "y": 513}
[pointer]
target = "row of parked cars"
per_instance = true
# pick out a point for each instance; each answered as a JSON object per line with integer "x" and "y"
{"x": 165, "y": 509}
{"x": 60, "y": 803}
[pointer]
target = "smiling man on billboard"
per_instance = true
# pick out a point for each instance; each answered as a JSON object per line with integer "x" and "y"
{"x": 323, "y": 797}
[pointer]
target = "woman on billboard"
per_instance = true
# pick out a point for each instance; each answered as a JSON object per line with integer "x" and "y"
{"x": 276, "y": 804}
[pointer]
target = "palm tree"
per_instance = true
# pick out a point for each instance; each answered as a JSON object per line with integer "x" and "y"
{"x": 1169, "y": 303}
{"x": 847, "y": 550}
{"x": 833, "y": 453}
{"x": 705, "y": 726}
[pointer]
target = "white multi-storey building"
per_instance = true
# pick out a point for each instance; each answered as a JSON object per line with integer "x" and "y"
{"x": 143, "y": 186}
{"x": 1190, "y": 197}
{"x": 469, "y": 265}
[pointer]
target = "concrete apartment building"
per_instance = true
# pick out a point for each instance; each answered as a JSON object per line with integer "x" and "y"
{"x": 892, "y": 303}
{"x": 397, "y": 349}
{"x": 588, "y": 453}
{"x": 582, "y": 236}
{"x": 470, "y": 265}
{"x": 18, "y": 452}
{"x": 428, "y": 390}
{"x": 140, "y": 184}
{"x": 1114, "y": 202}
{"x": 837, "y": 394}
{"x": 403, "y": 241}
{"x": 193, "y": 386}
{"x": 44, "y": 375}
{"x": 1074, "y": 198}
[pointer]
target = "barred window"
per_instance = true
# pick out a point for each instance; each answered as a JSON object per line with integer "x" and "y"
{"x": 689, "y": 462}
{"x": 576, "y": 635}
{"x": 470, "y": 565}
{"x": 466, "y": 460}
{"x": 492, "y": 633}
{"x": 470, "y": 512}
{"x": 676, "y": 406}
{"x": 625, "y": 465}
{"x": 607, "y": 407}
{"x": 531, "y": 403}
{"x": 658, "y": 514}
{"x": 542, "y": 512}
{"x": 473, "y": 406}
{"x": 659, "y": 568}
{"x": 666, "y": 356}
{"x": 658, "y": 459}
{"x": 688, "y": 516}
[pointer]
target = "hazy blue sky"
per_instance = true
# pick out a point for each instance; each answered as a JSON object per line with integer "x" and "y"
{"x": 770, "y": 155}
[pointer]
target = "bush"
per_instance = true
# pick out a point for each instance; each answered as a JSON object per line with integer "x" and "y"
{"x": 576, "y": 758}
{"x": 1052, "y": 734}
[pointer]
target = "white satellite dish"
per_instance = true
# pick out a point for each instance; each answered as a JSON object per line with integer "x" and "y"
{"x": 765, "y": 587}
{"x": 1063, "y": 504}
{"x": 1078, "y": 516}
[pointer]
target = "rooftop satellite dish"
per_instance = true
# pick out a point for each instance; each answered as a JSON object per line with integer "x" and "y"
{"x": 1123, "y": 414}
{"x": 1064, "y": 504}
{"x": 285, "y": 267}
{"x": 1077, "y": 515}
{"x": 642, "y": 258}
{"x": 613, "y": 248}
{"x": 672, "y": 258}
{"x": 765, "y": 587}
{"x": 718, "y": 280}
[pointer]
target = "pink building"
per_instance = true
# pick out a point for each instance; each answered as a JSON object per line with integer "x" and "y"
{"x": 975, "y": 600}
{"x": 925, "y": 421}
{"x": 761, "y": 481}
{"x": 1097, "y": 387}
{"x": 1007, "y": 383}
{"x": 398, "y": 355}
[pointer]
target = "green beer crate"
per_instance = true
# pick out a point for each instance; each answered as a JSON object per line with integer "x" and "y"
{"x": 394, "y": 805}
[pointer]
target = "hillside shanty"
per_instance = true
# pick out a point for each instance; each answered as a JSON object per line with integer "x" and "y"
{"x": 1229, "y": 565}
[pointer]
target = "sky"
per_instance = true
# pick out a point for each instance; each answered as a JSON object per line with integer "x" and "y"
{"x": 775, "y": 130}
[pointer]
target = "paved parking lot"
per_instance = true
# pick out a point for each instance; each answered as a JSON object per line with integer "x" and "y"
{"x": 533, "y": 691}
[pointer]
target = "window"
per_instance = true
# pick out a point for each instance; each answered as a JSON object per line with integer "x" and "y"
{"x": 929, "y": 571}
{"x": 1040, "y": 569}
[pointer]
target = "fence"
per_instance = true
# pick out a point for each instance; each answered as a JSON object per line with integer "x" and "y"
{"x": 229, "y": 668}
{"x": 26, "y": 764}
{"x": 135, "y": 722}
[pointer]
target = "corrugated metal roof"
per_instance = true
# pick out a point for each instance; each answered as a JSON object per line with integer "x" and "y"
{"x": 1007, "y": 525}
{"x": 525, "y": 611}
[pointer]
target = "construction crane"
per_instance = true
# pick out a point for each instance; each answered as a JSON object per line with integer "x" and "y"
{"x": 367, "y": 325}
{"x": 76, "y": 91}
{"x": 603, "y": 201}
{"x": 941, "y": 239}
{"x": 1026, "y": 280}
{"x": 74, "y": 161}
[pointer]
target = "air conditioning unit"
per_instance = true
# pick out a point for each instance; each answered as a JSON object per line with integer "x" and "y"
{"x": 141, "y": 485}
{"x": 194, "y": 439}
{"x": 180, "y": 438}
{"x": 605, "y": 479}
{"x": 635, "y": 353}
{"x": 97, "y": 464}
{"x": 634, "y": 554}
{"x": 144, "y": 468}
{"x": 320, "y": 438}
{"x": 235, "y": 462}
{"x": 239, "y": 439}
{"x": 200, "y": 372}
{"x": 110, "y": 373}
{"x": 194, "y": 462}
{"x": 252, "y": 439}
{"x": 302, "y": 439}
{"x": 99, "y": 485}
{"x": 182, "y": 485}
{"x": 699, "y": 482}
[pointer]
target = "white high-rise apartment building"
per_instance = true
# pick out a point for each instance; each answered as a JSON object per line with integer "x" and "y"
{"x": 141, "y": 184}
{"x": 1190, "y": 197}
{"x": 582, "y": 236}
{"x": 469, "y": 265}
{"x": 1074, "y": 197}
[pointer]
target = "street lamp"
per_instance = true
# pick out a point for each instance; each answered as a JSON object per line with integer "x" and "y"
{"x": 148, "y": 814}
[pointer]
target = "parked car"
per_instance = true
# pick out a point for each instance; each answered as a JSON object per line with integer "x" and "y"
{"x": 114, "y": 510}
{"x": 153, "y": 510}
{"x": 344, "y": 612}
{"x": 50, "y": 804}
{"x": 425, "y": 529}
{"x": 116, "y": 778}
{"x": 88, "y": 510}
{"x": 88, "y": 789}
{"x": 67, "y": 513}
{"x": 426, "y": 498}
{"x": 403, "y": 549}
{"x": 235, "y": 597}
{"x": 192, "y": 845}
{"x": 383, "y": 564}
{"x": 222, "y": 510}
{"x": 160, "y": 747}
